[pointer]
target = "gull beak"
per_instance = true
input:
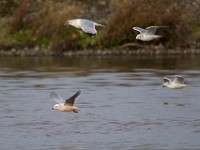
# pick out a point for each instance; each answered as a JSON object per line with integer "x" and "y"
{"x": 52, "y": 108}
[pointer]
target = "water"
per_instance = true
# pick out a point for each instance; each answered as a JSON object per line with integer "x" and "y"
{"x": 122, "y": 104}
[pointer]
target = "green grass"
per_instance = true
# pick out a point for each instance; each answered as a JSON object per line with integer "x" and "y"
{"x": 18, "y": 37}
{"x": 44, "y": 41}
{"x": 85, "y": 40}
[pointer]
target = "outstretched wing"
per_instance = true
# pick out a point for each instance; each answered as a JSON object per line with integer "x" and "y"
{"x": 166, "y": 80}
{"x": 70, "y": 101}
{"x": 178, "y": 79}
{"x": 57, "y": 98}
{"x": 151, "y": 30}
{"x": 141, "y": 30}
{"x": 88, "y": 27}
{"x": 89, "y": 31}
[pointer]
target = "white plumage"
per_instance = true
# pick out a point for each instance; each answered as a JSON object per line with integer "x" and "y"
{"x": 87, "y": 26}
{"x": 177, "y": 83}
{"x": 147, "y": 34}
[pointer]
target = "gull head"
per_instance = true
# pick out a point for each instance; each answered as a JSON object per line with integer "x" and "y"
{"x": 74, "y": 22}
{"x": 165, "y": 84}
{"x": 70, "y": 22}
{"x": 139, "y": 36}
{"x": 55, "y": 106}
{"x": 75, "y": 110}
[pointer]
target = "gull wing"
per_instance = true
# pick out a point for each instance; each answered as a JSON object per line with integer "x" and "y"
{"x": 141, "y": 30}
{"x": 89, "y": 30}
{"x": 70, "y": 101}
{"x": 88, "y": 27}
{"x": 90, "y": 23}
{"x": 57, "y": 98}
{"x": 178, "y": 79}
{"x": 165, "y": 79}
{"x": 151, "y": 30}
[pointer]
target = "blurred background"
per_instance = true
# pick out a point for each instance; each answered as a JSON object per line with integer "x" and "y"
{"x": 38, "y": 24}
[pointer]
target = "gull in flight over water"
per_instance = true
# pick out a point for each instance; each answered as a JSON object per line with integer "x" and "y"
{"x": 147, "y": 34}
{"x": 67, "y": 105}
{"x": 177, "y": 83}
{"x": 87, "y": 26}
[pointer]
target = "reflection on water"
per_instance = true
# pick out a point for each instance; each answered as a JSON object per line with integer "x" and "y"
{"x": 122, "y": 105}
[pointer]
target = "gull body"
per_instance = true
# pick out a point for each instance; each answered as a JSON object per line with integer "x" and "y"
{"x": 87, "y": 26}
{"x": 147, "y": 34}
{"x": 177, "y": 83}
{"x": 67, "y": 105}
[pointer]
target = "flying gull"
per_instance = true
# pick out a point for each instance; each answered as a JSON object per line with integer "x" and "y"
{"x": 177, "y": 83}
{"x": 87, "y": 26}
{"x": 147, "y": 34}
{"x": 67, "y": 105}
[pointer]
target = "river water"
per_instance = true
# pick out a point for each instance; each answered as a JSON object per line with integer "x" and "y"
{"x": 122, "y": 104}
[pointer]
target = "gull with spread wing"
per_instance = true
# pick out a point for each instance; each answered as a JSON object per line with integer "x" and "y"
{"x": 67, "y": 105}
{"x": 87, "y": 26}
{"x": 177, "y": 83}
{"x": 147, "y": 34}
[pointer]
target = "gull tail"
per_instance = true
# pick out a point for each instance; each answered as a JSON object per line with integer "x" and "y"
{"x": 97, "y": 24}
{"x": 157, "y": 36}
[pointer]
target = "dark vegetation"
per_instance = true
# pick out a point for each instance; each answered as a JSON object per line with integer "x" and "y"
{"x": 38, "y": 23}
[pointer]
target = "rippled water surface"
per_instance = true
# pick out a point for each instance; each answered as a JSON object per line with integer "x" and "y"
{"x": 122, "y": 104}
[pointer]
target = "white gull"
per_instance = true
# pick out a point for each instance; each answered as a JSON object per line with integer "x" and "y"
{"x": 87, "y": 26}
{"x": 147, "y": 34}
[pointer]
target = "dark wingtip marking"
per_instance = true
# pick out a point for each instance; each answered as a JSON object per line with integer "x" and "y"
{"x": 91, "y": 34}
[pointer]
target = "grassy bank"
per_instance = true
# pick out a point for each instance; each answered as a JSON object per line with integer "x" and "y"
{"x": 30, "y": 24}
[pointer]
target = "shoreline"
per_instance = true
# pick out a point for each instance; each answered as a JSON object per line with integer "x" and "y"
{"x": 34, "y": 52}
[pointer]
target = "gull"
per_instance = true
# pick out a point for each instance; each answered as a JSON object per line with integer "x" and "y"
{"x": 177, "y": 83}
{"x": 67, "y": 105}
{"x": 87, "y": 26}
{"x": 147, "y": 34}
